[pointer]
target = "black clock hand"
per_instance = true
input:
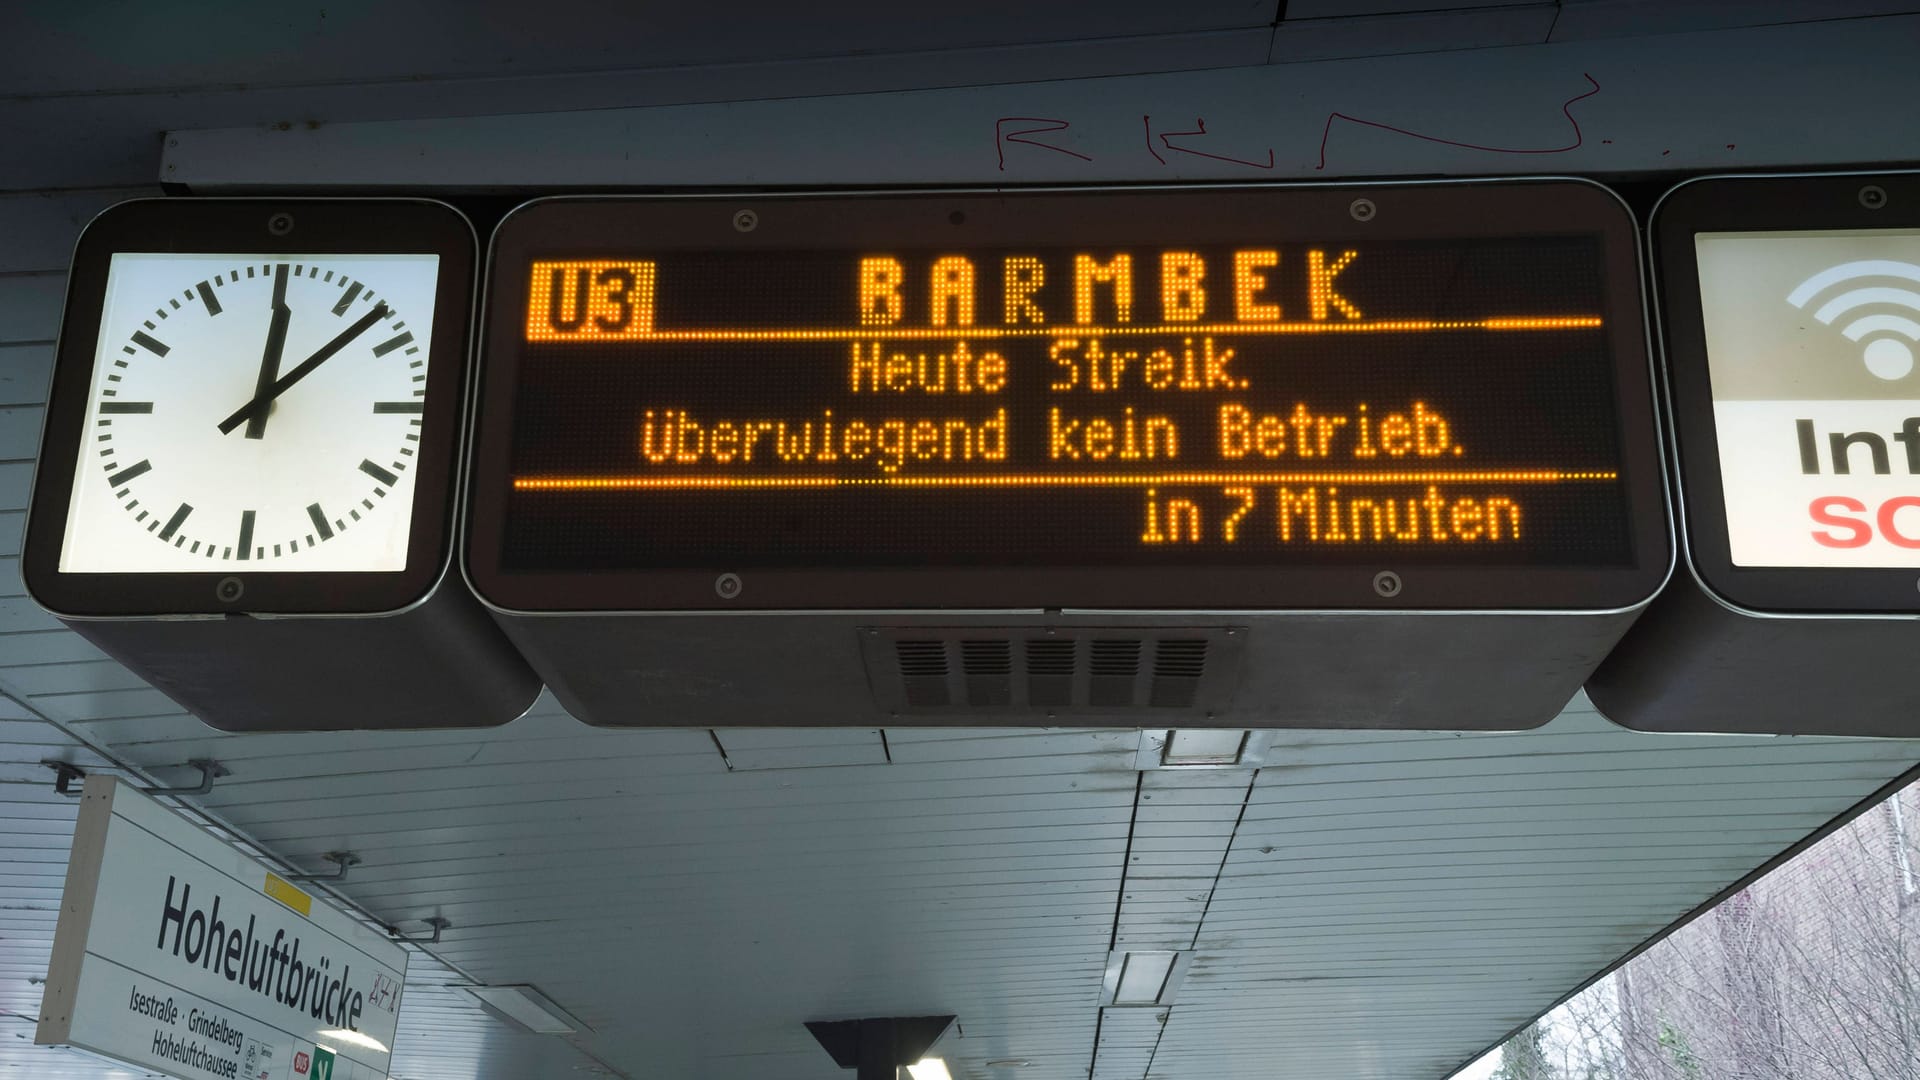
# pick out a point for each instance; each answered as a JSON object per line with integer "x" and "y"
{"x": 264, "y": 398}
{"x": 270, "y": 358}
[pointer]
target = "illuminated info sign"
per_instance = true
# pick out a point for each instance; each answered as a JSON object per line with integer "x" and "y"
{"x": 1792, "y": 318}
{"x": 1059, "y": 400}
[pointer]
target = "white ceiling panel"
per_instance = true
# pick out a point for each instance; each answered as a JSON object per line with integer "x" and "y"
{"x": 1382, "y": 892}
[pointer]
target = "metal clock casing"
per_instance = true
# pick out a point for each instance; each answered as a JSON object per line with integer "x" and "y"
{"x": 265, "y": 532}
{"x": 170, "y": 366}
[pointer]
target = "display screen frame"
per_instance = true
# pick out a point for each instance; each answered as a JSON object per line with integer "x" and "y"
{"x": 614, "y": 226}
{"x": 1756, "y": 204}
{"x": 254, "y": 226}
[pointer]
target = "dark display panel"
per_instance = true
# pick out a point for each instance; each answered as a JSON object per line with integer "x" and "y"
{"x": 1250, "y": 403}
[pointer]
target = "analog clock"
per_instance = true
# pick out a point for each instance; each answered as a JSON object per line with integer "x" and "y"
{"x": 253, "y": 413}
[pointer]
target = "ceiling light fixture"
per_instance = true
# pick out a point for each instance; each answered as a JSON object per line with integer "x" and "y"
{"x": 929, "y": 1069}
{"x": 526, "y": 1007}
{"x": 1202, "y": 748}
{"x": 1144, "y": 977}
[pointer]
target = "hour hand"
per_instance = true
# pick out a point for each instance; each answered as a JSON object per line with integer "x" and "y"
{"x": 263, "y": 399}
{"x": 270, "y": 357}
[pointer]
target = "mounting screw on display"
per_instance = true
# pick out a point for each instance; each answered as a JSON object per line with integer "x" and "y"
{"x": 229, "y": 590}
{"x": 1387, "y": 584}
{"x": 727, "y": 586}
{"x": 1362, "y": 209}
{"x": 745, "y": 220}
{"x": 1873, "y": 197}
{"x": 280, "y": 224}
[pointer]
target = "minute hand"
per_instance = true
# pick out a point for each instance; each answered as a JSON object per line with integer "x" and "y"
{"x": 285, "y": 382}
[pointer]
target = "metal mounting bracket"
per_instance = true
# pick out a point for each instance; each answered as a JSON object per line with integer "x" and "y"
{"x": 210, "y": 770}
{"x": 345, "y": 860}
{"x": 66, "y": 772}
{"x": 440, "y": 926}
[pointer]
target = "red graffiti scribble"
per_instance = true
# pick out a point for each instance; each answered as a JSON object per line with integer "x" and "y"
{"x": 1147, "y": 122}
{"x": 1001, "y": 137}
{"x": 1166, "y": 140}
{"x": 1566, "y": 109}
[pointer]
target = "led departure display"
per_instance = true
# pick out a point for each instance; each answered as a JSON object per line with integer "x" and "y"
{"x": 1280, "y": 399}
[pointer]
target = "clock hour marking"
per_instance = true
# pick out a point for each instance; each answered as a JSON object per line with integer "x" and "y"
{"x": 141, "y": 339}
{"x": 378, "y": 473}
{"x": 118, "y": 408}
{"x": 173, "y": 523}
{"x": 136, "y": 469}
{"x": 319, "y": 521}
{"x": 207, "y": 298}
{"x": 392, "y": 343}
{"x": 245, "y": 543}
{"x": 353, "y": 292}
{"x": 395, "y": 407}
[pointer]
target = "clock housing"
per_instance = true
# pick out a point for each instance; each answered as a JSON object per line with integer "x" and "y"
{"x": 256, "y": 408}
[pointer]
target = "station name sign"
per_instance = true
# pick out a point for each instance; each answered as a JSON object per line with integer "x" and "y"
{"x": 1243, "y": 398}
{"x": 176, "y": 952}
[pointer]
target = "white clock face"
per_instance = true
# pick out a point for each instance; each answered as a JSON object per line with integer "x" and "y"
{"x": 253, "y": 412}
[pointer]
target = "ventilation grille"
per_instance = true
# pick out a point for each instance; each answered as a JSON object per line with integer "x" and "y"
{"x": 1177, "y": 670}
{"x": 923, "y": 673}
{"x": 1079, "y": 670}
{"x": 989, "y": 667}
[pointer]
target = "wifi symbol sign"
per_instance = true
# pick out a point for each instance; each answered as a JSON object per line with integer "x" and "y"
{"x": 1885, "y": 354}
